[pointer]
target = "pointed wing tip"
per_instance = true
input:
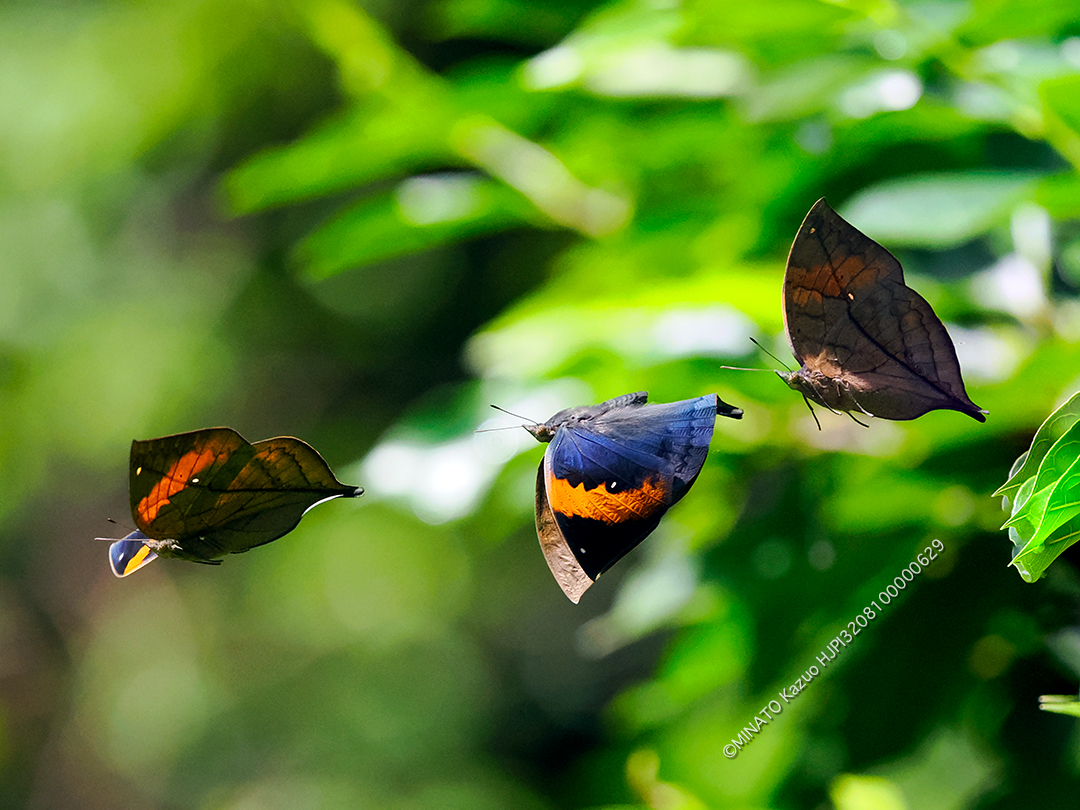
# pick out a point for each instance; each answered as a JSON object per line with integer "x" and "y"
{"x": 575, "y": 589}
{"x": 564, "y": 566}
{"x": 979, "y": 414}
{"x": 821, "y": 207}
{"x": 728, "y": 410}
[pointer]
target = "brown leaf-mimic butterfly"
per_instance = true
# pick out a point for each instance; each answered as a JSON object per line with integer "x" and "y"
{"x": 867, "y": 342}
{"x": 201, "y": 495}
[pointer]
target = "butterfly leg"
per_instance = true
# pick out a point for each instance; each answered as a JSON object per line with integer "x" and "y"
{"x": 812, "y": 413}
{"x": 856, "y": 421}
{"x": 861, "y": 409}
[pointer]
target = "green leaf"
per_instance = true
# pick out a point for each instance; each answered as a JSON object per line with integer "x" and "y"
{"x": 1057, "y": 473}
{"x": 939, "y": 210}
{"x": 1060, "y": 704}
{"x": 361, "y": 147}
{"x": 1031, "y": 559}
{"x": 1052, "y": 429}
{"x": 1059, "y": 194}
{"x": 1046, "y": 508}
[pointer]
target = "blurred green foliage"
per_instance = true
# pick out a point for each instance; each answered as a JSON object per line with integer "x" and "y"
{"x": 361, "y": 223}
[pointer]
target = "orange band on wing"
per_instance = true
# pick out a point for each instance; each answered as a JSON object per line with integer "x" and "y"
{"x": 178, "y": 476}
{"x": 600, "y": 504}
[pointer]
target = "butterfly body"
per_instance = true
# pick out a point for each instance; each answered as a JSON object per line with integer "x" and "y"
{"x": 867, "y": 342}
{"x": 201, "y": 495}
{"x": 610, "y": 473}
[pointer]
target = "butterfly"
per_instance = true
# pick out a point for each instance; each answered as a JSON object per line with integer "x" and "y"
{"x": 204, "y": 494}
{"x": 866, "y": 341}
{"x": 610, "y": 473}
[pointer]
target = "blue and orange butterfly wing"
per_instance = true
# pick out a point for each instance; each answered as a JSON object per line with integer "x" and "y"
{"x": 677, "y": 432}
{"x": 129, "y": 554}
{"x": 607, "y": 482}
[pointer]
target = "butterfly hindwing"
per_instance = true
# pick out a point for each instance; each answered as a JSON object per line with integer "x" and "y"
{"x": 603, "y": 502}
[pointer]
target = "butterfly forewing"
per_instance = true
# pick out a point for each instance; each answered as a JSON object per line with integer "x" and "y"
{"x": 676, "y": 433}
{"x": 168, "y": 474}
{"x": 129, "y": 554}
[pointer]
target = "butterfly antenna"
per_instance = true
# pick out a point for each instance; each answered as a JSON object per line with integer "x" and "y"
{"x": 515, "y": 415}
{"x": 507, "y": 427}
{"x": 773, "y": 356}
{"x": 114, "y": 523}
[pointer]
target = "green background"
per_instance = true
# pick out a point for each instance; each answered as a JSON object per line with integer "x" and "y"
{"x": 361, "y": 224}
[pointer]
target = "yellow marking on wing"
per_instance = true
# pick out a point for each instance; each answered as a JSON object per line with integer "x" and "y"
{"x": 600, "y": 504}
{"x": 138, "y": 560}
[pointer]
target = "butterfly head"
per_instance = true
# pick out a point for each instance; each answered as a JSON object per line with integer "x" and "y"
{"x": 545, "y": 431}
{"x": 542, "y": 432}
{"x": 792, "y": 379}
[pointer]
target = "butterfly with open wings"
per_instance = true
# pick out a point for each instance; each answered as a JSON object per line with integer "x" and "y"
{"x": 610, "y": 472}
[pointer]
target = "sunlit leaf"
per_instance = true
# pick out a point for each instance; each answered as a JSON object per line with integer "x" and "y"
{"x": 1052, "y": 429}
{"x": 1059, "y": 194}
{"x": 1031, "y": 558}
{"x": 1058, "y": 472}
{"x": 1016, "y": 18}
{"x": 1045, "y": 485}
{"x": 360, "y": 147}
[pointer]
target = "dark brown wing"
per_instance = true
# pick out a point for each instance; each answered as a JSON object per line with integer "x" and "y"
{"x": 867, "y": 342}
{"x": 214, "y": 493}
